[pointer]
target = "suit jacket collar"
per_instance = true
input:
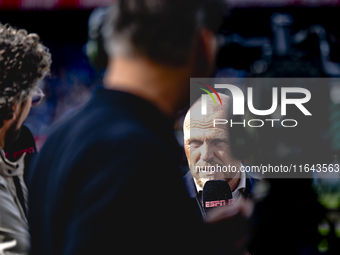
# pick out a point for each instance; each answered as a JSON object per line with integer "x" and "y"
{"x": 191, "y": 188}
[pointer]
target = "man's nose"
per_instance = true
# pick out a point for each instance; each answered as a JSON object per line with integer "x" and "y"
{"x": 206, "y": 152}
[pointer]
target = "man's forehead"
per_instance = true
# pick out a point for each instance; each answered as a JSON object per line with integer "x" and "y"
{"x": 196, "y": 112}
{"x": 206, "y": 124}
{"x": 210, "y": 133}
{"x": 203, "y": 121}
{"x": 195, "y": 118}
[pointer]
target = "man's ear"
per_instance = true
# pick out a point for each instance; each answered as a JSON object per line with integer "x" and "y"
{"x": 206, "y": 52}
{"x": 209, "y": 42}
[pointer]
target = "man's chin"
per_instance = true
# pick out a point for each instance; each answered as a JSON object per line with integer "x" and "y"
{"x": 202, "y": 180}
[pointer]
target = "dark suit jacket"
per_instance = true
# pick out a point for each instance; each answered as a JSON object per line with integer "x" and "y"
{"x": 108, "y": 181}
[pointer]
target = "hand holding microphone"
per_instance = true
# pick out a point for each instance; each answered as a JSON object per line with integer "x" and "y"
{"x": 216, "y": 193}
{"x": 229, "y": 222}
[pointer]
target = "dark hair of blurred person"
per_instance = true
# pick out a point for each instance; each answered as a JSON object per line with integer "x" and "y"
{"x": 167, "y": 36}
{"x": 23, "y": 62}
{"x": 163, "y": 31}
{"x": 108, "y": 179}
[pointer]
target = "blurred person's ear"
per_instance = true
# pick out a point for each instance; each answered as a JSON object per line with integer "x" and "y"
{"x": 16, "y": 109}
{"x": 16, "y": 112}
{"x": 210, "y": 45}
{"x": 206, "y": 52}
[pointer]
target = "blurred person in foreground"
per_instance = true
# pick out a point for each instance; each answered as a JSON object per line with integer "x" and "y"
{"x": 108, "y": 180}
{"x": 207, "y": 146}
{"x": 23, "y": 62}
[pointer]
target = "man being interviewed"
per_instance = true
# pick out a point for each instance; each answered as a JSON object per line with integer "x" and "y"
{"x": 208, "y": 151}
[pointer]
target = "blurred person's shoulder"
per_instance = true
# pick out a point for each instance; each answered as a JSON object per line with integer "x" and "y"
{"x": 111, "y": 118}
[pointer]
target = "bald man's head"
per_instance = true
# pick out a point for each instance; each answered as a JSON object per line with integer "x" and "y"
{"x": 213, "y": 110}
{"x": 206, "y": 145}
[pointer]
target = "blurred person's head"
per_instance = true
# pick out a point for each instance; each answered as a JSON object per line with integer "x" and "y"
{"x": 162, "y": 30}
{"x": 207, "y": 147}
{"x": 23, "y": 62}
{"x": 172, "y": 39}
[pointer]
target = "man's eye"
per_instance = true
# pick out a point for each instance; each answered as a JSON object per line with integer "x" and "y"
{"x": 195, "y": 143}
{"x": 218, "y": 141}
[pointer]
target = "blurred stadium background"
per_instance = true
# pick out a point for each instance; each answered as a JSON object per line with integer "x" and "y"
{"x": 260, "y": 38}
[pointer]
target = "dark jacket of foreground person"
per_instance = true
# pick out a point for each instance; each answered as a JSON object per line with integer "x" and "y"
{"x": 107, "y": 181}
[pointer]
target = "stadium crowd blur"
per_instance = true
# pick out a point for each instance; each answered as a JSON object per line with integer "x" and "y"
{"x": 258, "y": 39}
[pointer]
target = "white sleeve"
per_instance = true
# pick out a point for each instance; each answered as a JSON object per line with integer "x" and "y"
{"x": 12, "y": 224}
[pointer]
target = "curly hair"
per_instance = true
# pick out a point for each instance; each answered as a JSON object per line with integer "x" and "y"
{"x": 24, "y": 60}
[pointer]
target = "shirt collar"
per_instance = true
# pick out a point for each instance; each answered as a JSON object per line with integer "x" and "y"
{"x": 8, "y": 168}
{"x": 242, "y": 182}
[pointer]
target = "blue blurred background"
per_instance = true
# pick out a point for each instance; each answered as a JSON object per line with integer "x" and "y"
{"x": 260, "y": 38}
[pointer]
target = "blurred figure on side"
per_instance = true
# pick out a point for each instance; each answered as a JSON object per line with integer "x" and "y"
{"x": 23, "y": 62}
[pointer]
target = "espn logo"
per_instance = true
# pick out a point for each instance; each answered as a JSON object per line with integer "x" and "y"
{"x": 218, "y": 203}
